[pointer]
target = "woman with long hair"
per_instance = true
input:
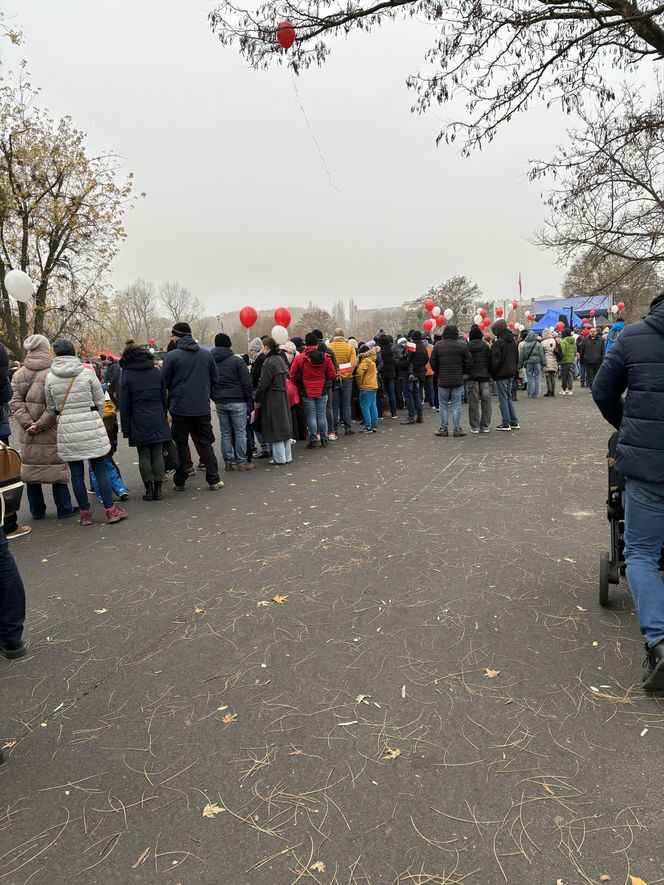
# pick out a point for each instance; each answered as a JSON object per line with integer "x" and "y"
{"x": 272, "y": 398}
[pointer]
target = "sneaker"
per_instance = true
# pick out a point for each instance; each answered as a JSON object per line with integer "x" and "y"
{"x": 408, "y": 421}
{"x": 72, "y": 512}
{"x": 485, "y": 430}
{"x": 332, "y": 436}
{"x": 247, "y": 466}
{"x": 570, "y": 393}
{"x": 178, "y": 488}
{"x": 419, "y": 419}
{"x": 653, "y": 678}
{"x": 318, "y": 437}
{"x": 228, "y": 468}
{"x": 86, "y": 517}
{"x": 115, "y": 514}
{"x": 191, "y": 472}
{"x": 216, "y": 485}
{"x": 441, "y": 432}
{"x": 374, "y": 430}
{"x": 515, "y": 426}
{"x": 19, "y": 532}
{"x": 503, "y": 427}
{"x": 312, "y": 444}
{"x": 13, "y": 650}
{"x": 474, "y": 430}
{"x": 349, "y": 431}
{"x": 458, "y": 433}
{"x": 200, "y": 466}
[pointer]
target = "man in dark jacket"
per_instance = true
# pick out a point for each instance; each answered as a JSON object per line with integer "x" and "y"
{"x": 112, "y": 379}
{"x": 189, "y": 372}
{"x": 636, "y": 364}
{"x": 230, "y": 394}
{"x": 504, "y": 360}
{"x": 479, "y": 382}
{"x": 451, "y": 359}
{"x": 591, "y": 354}
{"x": 388, "y": 371}
{"x": 418, "y": 357}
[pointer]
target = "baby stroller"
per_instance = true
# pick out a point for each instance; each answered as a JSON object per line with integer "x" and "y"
{"x": 612, "y": 565}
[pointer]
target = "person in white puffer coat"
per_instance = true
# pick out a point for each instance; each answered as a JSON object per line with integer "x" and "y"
{"x": 74, "y": 394}
{"x": 551, "y": 350}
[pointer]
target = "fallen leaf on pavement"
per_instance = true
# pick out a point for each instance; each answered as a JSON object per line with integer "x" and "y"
{"x": 212, "y": 810}
{"x": 318, "y": 867}
{"x": 637, "y": 881}
{"x": 228, "y": 718}
{"x": 199, "y": 610}
{"x": 392, "y": 754}
{"x": 279, "y": 599}
{"x": 491, "y": 673}
{"x": 605, "y": 877}
{"x": 362, "y": 698}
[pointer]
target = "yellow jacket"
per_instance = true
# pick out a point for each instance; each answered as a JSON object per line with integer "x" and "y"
{"x": 367, "y": 372}
{"x": 344, "y": 352}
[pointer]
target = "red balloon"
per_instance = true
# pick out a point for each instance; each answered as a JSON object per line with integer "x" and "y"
{"x": 499, "y": 311}
{"x": 482, "y": 313}
{"x": 429, "y": 304}
{"x": 486, "y": 323}
{"x": 560, "y": 326}
{"x": 514, "y": 305}
{"x": 510, "y": 325}
{"x": 151, "y": 342}
{"x": 621, "y": 305}
{"x": 248, "y": 317}
{"x": 282, "y": 317}
{"x": 592, "y": 313}
{"x": 285, "y": 34}
{"x": 440, "y": 321}
{"x": 428, "y": 325}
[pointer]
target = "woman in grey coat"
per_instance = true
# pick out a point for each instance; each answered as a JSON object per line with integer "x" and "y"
{"x": 272, "y": 397}
{"x": 76, "y": 398}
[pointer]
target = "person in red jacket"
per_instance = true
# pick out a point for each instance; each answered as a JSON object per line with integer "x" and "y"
{"x": 310, "y": 372}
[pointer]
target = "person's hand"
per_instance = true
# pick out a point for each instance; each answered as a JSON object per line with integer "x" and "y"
{"x": 33, "y": 428}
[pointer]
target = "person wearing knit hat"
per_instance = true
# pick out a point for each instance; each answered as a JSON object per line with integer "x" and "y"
{"x": 189, "y": 372}
{"x": 232, "y": 394}
{"x": 298, "y": 342}
{"x": 418, "y": 358}
{"x": 479, "y": 382}
{"x": 504, "y": 360}
{"x": 40, "y": 463}
{"x": 64, "y": 347}
{"x": 255, "y": 347}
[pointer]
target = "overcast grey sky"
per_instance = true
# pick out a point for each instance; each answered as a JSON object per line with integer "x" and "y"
{"x": 240, "y": 206}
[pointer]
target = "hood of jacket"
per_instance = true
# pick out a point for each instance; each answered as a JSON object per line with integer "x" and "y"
{"x": 187, "y": 343}
{"x": 137, "y": 358}
{"x": 66, "y": 366}
{"x": 316, "y": 356}
{"x": 531, "y": 337}
{"x": 616, "y": 329}
{"x": 36, "y": 360}
{"x": 221, "y": 353}
{"x": 547, "y": 333}
{"x": 450, "y": 332}
{"x": 507, "y": 335}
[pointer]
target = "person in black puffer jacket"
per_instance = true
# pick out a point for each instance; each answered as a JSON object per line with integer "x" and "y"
{"x": 636, "y": 364}
{"x": 504, "y": 360}
{"x": 231, "y": 394}
{"x": 452, "y": 361}
{"x": 417, "y": 365}
{"x": 388, "y": 372}
{"x": 479, "y": 382}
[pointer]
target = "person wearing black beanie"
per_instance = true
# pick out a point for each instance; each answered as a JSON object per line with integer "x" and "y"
{"x": 418, "y": 358}
{"x": 189, "y": 372}
{"x": 479, "y": 382}
{"x": 232, "y": 393}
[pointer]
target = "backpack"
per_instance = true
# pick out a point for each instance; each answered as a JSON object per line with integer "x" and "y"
{"x": 11, "y": 485}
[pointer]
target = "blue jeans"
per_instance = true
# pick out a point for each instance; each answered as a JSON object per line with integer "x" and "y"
{"x": 233, "y": 421}
{"x": 444, "y": 395}
{"x": 390, "y": 389}
{"x": 341, "y": 400}
{"x": 644, "y": 538}
{"x": 12, "y": 595}
{"x": 411, "y": 393}
{"x": 281, "y": 452}
{"x": 61, "y": 497}
{"x": 431, "y": 396}
{"x": 77, "y": 469}
{"x": 507, "y": 410}
{"x": 369, "y": 409}
{"x": 315, "y": 408}
{"x": 534, "y": 377}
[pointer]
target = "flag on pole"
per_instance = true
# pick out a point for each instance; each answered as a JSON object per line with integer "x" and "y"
{"x": 520, "y": 286}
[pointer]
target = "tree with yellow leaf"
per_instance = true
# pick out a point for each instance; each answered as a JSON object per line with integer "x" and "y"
{"x": 60, "y": 218}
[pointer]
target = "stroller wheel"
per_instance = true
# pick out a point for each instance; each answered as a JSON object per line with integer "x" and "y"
{"x": 604, "y": 571}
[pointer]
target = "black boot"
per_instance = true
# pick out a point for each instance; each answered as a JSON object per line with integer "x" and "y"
{"x": 157, "y": 495}
{"x": 149, "y": 492}
{"x": 653, "y": 678}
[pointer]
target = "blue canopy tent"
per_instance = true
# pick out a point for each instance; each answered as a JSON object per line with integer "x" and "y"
{"x": 551, "y": 317}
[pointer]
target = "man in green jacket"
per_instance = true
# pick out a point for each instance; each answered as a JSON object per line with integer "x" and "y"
{"x": 568, "y": 348}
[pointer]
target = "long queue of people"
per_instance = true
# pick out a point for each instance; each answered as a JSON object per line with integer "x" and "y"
{"x": 267, "y": 399}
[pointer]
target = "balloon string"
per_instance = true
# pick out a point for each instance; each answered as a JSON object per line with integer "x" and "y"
{"x": 298, "y": 101}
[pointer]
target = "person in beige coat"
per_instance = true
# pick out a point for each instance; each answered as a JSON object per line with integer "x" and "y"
{"x": 551, "y": 350}
{"x": 40, "y": 463}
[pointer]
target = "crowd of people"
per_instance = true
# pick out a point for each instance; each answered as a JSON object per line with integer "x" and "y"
{"x": 70, "y": 412}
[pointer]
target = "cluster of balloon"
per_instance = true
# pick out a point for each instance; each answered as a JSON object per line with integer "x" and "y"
{"x": 248, "y": 317}
{"x": 618, "y": 308}
{"x": 285, "y": 34}
{"x": 19, "y": 285}
{"x": 282, "y": 317}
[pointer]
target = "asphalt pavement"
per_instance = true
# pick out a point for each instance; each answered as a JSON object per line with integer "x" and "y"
{"x": 384, "y": 663}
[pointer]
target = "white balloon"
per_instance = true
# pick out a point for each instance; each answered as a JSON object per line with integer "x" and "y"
{"x": 614, "y": 308}
{"x": 436, "y": 311}
{"x": 477, "y": 319}
{"x": 449, "y": 313}
{"x": 19, "y": 285}
{"x": 280, "y": 334}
